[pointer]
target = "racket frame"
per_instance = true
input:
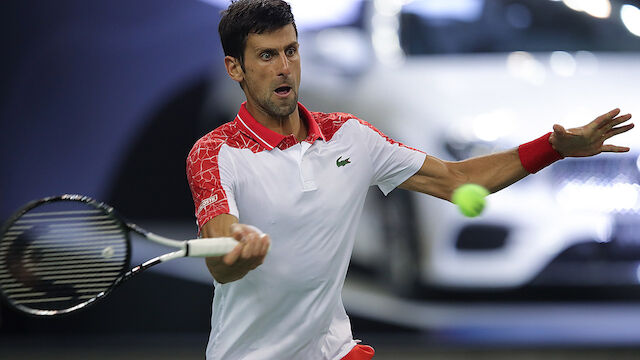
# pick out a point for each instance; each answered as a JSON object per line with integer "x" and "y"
{"x": 202, "y": 247}
{"x": 110, "y": 212}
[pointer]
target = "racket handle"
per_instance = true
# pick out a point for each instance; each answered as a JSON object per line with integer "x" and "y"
{"x": 210, "y": 246}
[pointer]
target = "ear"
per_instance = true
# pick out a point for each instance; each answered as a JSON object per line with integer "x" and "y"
{"x": 233, "y": 68}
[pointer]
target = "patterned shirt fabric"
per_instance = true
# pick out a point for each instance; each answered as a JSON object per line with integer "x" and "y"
{"x": 308, "y": 196}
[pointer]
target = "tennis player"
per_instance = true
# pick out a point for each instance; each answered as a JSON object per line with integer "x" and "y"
{"x": 301, "y": 177}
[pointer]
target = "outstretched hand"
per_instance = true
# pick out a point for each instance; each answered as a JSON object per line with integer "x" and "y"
{"x": 588, "y": 140}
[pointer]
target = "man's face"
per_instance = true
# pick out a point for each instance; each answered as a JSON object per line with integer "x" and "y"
{"x": 272, "y": 71}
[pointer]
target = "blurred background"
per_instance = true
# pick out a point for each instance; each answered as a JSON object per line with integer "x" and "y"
{"x": 106, "y": 98}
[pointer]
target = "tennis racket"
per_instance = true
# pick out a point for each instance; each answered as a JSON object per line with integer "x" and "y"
{"x": 61, "y": 254}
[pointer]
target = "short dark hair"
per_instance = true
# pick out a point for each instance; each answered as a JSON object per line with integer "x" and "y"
{"x": 251, "y": 16}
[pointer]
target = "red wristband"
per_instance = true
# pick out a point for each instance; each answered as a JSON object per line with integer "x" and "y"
{"x": 538, "y": 154}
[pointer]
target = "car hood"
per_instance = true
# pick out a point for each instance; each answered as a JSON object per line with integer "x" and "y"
{"x": 498, "y": 97}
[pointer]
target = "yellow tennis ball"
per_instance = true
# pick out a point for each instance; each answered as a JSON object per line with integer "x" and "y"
{"x": 470, "y": 199}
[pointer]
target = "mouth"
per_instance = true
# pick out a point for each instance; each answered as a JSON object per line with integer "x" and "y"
{"x": 283, "y": 91}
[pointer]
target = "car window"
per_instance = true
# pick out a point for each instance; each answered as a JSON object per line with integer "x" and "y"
{"x": 489, "y": 26}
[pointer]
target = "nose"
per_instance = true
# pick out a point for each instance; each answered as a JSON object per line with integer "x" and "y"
{"x": 285, "y": 69}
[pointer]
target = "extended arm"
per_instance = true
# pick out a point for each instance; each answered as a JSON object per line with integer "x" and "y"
{"x": 497, "y": 171}
{"x": 440, "y": 178}
{"x": 246, "y": 256}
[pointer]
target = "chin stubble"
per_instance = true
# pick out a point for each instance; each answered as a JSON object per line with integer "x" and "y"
{"x": 281, "y": 111}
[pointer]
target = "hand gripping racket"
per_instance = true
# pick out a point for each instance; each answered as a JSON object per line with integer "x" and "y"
{"x": 61, "y": 254}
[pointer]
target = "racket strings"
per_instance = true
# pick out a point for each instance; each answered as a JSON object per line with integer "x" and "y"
{"x": 60, "y": 255}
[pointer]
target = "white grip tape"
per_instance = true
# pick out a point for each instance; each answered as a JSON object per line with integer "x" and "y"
{"x": 211, "y": 246}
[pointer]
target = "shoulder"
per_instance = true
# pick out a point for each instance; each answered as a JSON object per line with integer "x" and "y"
{"x": 330, "y": 123}
{"x": 207, "y": 148}
{"x": 228, "y": 134}
{"x": 211, "y": 142}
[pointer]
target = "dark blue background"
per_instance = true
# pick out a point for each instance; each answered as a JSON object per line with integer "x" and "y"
{"x": 105, "y": 99}
{"x": 102, "y": 97}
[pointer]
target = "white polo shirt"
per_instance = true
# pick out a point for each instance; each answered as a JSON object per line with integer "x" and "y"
{"x": 308, "y": 197}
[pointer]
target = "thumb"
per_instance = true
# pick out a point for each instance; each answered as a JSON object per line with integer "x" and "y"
{"x": 557, "y": 128}
{"x": 237, "y": 232}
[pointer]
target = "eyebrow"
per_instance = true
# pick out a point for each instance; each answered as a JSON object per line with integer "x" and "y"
{"x": 262, "y": 49}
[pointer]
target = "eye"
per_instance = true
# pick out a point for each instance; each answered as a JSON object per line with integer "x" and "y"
{"x": 265, "y": 56}
{"x": 291, "y": 51}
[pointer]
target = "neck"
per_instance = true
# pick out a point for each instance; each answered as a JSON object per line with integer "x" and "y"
{"x": 285, "y": 125}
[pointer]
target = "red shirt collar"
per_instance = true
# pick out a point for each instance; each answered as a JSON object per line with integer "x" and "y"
{"x": 272, "y": 139}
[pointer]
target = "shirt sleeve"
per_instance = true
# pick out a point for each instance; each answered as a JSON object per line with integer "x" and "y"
{"x": 393, "y": 162}
{"x": 210, "y": 177}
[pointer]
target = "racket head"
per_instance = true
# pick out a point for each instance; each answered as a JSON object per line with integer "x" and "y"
{"x": 61, "y": 254}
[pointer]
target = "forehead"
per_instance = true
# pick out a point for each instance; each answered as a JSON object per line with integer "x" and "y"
{"x": 275, "y": 39}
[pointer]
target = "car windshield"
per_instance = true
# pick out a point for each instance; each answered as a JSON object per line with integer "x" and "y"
{"x": 489, "y": 26}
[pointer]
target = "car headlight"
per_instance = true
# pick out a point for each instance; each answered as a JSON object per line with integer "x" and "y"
{"x": 604, "y": 183}
{"x": 616, "y": 196}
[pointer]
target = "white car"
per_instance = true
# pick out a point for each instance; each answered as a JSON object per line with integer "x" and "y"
{"x": 472, "y": 105}
{"x": 574, "y": 223}
{"x": 463, "y": 78}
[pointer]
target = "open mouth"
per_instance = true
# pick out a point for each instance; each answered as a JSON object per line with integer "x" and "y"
{"x": 283, "y": 90}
